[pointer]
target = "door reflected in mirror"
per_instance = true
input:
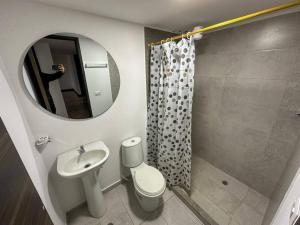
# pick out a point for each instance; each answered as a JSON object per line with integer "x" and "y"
{"x": 71, "y": 76}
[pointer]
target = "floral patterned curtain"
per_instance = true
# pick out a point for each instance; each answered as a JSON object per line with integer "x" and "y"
{"x": 170, "y": 110}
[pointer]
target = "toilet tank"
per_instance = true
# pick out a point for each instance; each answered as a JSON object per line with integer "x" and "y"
{"x": 132, "y": 152}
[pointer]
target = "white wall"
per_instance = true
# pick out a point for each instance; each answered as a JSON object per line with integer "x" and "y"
{"x": 12, "y": 117}
{"x": 97, "y": 79}
{"x": 23, "y": 23}
{"x": 292, "y": 196}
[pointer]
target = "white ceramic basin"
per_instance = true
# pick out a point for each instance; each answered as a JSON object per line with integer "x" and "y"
{"x": 72, "y": 164}
{"x": 86, "y": 165}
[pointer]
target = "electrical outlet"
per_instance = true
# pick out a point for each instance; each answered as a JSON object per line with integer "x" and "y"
{"x": 98, "y": 93}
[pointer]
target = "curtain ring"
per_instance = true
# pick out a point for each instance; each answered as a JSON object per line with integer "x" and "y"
{"x": 188, "y": 35}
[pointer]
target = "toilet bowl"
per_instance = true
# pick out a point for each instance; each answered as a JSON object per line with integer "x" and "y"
{"x": 148, "y": 181}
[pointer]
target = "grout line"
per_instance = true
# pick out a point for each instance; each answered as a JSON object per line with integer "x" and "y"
{"x": 215, "y": 204}
{"x": 123, "y": 203}
{"x": 127, "y": 212}
{"x": 201, "y": 214}
{"x": 251, "y": 51}
{"x": 173, "y": 194}
{"x": 165, "y": 220}
{"x": 128, "y": 209}
{"x": 240, "y": 201}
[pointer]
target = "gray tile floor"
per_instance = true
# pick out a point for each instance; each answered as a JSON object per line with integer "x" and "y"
{"x": 123, "y": 209}
{"x": 232, "y": 204}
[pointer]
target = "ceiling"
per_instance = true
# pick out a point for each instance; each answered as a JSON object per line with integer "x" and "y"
{"x": 170, "y": 15}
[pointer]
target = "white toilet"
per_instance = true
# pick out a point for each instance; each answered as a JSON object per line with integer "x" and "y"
{"x": 148, "y": 181}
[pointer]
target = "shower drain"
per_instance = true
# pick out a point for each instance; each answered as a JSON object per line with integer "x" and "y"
{"x": 225, "y": 182}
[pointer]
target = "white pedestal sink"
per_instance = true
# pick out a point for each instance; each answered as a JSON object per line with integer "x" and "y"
{"x": 86, "y": 164}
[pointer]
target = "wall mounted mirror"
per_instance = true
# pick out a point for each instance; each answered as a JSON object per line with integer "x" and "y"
{"x": 71, "y": 76}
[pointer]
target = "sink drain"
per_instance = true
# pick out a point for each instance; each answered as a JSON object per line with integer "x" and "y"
{"x": 87, "y": 165}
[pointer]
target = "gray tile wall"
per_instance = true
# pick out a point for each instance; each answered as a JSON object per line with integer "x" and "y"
{"x": 247, "y": 90}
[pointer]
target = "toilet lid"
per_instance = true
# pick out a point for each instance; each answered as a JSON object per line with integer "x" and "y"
{"x": 149, "y": 181}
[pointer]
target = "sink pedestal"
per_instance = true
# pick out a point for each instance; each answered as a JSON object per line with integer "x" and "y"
{"x": 94, "y": 195}
{"x": 85, "y": 162}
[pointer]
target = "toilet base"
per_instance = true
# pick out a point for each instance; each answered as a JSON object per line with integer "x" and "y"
{"x": 149, "y": 204}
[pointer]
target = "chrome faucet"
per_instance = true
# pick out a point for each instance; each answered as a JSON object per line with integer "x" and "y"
{"x": 81, "y": 150}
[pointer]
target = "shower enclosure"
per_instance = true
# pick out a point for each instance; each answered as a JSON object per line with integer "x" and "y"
{"x": 244, "y": 126}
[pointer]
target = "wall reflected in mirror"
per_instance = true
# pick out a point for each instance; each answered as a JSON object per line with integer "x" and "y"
{"x": 71, "y": 76}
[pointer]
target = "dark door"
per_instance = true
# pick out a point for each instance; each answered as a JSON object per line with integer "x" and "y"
{"x": 20, "y": 203}
{"x": 33, "y": 69}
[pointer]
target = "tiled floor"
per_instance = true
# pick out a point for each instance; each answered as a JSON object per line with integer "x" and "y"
{"x": 123, "y": 209}
{"x": 232, "y": 204}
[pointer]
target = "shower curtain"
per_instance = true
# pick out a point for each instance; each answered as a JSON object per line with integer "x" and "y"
{"x": 170, "y": 110}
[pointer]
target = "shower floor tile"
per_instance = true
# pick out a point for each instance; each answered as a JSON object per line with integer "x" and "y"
{"x": 225, "y": 199}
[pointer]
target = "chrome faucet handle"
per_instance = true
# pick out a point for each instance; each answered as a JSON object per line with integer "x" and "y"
{"x": 81, "y": 150}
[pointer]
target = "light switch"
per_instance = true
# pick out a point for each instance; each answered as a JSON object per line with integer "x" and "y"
{"x": 97, "y": 93}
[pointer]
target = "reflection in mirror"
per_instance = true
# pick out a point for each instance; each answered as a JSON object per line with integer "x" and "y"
{"x": 71, "y": 76}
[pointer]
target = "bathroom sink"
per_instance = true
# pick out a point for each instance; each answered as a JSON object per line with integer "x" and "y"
{"x": 85, "y": 162}
{"x": 80, "y": 164}
{"x": 73, "y": 164}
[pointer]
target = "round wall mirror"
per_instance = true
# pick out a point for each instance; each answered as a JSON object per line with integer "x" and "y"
{"x": 71, "y": 76}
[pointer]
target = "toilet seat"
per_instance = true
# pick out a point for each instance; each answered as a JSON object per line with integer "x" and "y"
{"x": 149, "y": 180}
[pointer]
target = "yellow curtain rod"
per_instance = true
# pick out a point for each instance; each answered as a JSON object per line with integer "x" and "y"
{"x": 228, "y": 22}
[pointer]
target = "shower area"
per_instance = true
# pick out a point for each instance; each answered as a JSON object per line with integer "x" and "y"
{"x": 245, "y": 129}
